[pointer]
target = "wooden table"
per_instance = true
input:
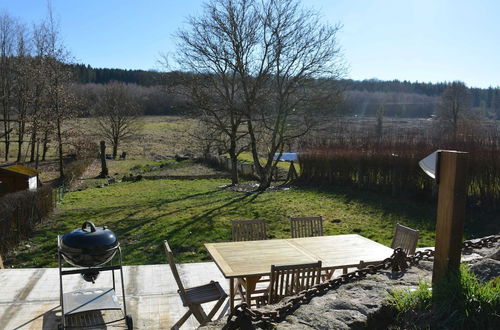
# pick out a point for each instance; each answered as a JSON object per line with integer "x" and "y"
{"x": 250, "y": 260}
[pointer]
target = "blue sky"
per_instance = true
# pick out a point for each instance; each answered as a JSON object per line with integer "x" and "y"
{"x": 417, "y": 40}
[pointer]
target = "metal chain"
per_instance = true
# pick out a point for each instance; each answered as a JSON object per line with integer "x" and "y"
{"x": 244, "y": 316}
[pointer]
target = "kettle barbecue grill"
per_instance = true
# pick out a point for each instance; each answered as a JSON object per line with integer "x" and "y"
{"x": 90, "y": 249}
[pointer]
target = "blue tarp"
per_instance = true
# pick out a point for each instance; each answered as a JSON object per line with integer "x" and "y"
{"x": 287, "y": 156}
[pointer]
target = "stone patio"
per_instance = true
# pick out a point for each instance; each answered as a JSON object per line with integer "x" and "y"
{"x": 29, "y": 298}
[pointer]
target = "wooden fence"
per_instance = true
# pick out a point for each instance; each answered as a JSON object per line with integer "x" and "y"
{"x": 244, "y": 169}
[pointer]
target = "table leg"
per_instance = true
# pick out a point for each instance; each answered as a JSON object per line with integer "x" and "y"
{"x": 250, "y": 285}
{"x": 231, "y": 294}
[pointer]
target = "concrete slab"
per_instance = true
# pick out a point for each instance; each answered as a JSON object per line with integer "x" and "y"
{"x": 29, "y": 298}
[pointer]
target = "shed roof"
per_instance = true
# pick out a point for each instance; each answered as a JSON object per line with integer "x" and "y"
{"x": 22, "y": 170}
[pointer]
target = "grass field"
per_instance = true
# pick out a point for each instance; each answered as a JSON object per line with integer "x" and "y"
{"x": 191, "y": 212}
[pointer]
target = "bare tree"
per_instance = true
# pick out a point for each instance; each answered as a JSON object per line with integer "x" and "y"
{"x": 209, "y": 50}
{"x": 7, "y": 50}
{"x": 117, "y": 114}
{"x": 454, "y": 106}
{"x": 260, "y": 64}
{"x": 61, "y": 102}
{"x": 22, "y": 84}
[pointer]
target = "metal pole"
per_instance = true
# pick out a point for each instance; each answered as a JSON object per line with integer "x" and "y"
{"x": 123, "y": 284}
{"x": 61, "y": 298}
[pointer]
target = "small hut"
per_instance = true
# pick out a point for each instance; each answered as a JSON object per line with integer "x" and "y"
{"x": 18, "y": 177}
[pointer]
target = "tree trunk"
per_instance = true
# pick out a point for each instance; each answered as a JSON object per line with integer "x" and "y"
{"x": 60, "y": 147}
{"x": 6, "y": 127}
{"x": 115, "y": 149}
{"x": 37, "y": 153}
{"x": 234, "y": 169}
{"x": 104, "y": 167}
{"x": 34, "y": 144}
{"x": 234, "y": 162}
{"x": 45, "y": 145}
{"x": 265, "y": 180}
{"x": 20, "y": 142}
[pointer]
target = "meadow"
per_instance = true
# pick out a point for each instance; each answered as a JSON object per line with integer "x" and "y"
{"x": 194, "y": 211}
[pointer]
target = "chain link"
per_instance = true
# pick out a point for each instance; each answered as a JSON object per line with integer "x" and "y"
{"x": 399, "y": 261}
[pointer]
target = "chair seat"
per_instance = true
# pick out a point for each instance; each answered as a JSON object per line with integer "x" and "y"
{"x": 203, "y": 293}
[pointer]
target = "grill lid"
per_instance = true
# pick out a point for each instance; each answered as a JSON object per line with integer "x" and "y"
{"x": 90, "y": 238}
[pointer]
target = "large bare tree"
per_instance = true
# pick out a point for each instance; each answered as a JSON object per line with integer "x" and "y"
{"x": 265, "y": 65}
{"x": 116, "y": 114}
{"x": 454, "y": 107}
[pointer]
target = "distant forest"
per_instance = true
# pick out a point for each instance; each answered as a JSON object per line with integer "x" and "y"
{"x": 365, "y": 98}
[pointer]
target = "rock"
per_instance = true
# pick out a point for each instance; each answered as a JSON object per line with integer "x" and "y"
{"x": 361, "y": 304}
{"x": 486, "y": 269}
{"x": 495, "y": 255}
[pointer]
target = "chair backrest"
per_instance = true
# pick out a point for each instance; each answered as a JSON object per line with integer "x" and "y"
{"x": 249, "y": 230}
{"x": 306, "y": 227}
{"x": 287, "y": 280}
{"x": 170, "y": 258}
{"x": 405, "y": 238}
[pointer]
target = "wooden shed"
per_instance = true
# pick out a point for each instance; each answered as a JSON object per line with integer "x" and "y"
{"x": 18, "y": 177}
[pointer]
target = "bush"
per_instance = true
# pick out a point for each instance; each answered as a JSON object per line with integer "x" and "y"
{"x": 21, "y": 211}
{"x": 390, "y": 163}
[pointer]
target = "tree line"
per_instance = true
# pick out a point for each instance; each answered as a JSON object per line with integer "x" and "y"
{"x": 421, "y": 93}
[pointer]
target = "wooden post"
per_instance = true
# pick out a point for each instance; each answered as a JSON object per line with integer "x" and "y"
{"x": 451, "y": 176}
{"x": 1, "y": 263}
{"x": 104, "y": 167}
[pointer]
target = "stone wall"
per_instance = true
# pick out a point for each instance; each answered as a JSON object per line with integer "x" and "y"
{"x": 360, "y": 305}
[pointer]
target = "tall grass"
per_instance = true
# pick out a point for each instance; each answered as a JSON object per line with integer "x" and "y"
{"x": 389, "y": 162}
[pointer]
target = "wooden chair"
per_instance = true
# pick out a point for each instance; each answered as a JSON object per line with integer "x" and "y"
{"x": 193, "y": 298}
{"x": 287, "y": 280}
{"x": 306, "y": 227}
{"x": 405, "y": 238}
{"x": 249, "y": 230}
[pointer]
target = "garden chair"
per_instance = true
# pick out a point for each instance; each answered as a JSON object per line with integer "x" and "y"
{"x": 287, "y": 280}
{"x": 249, "y": 230}
{"x": 405, "y": 238}
{"x": 193, "y": 298}
{"x": 306, "y": 227}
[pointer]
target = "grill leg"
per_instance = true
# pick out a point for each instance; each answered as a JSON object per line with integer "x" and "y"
{"x": 61, "y": 295}
{"x": 123, "y": 284}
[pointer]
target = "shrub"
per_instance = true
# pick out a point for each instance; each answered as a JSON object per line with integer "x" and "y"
{"x": 21, "y": 211}
{"x": 458, "y": 302}
{"x": 390, "y": 163}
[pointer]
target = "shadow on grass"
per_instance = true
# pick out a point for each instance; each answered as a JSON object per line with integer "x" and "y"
{"x": 418, "y": 212}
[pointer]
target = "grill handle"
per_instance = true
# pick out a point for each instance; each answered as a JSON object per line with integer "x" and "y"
{"x": 89, "y": 224}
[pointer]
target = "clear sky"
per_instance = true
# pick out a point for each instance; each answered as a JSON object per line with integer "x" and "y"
{"x": 417, "y": 40}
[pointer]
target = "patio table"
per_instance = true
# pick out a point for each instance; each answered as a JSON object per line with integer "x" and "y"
{"x": 249, "y": 260}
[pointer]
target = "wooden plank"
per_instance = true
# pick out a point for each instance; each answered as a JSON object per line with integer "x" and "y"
{"x": 249, "y": 258}
{"x": 450, "y": 213}
{"x": 242, "y": 259}
{"x": 341, "y": 251}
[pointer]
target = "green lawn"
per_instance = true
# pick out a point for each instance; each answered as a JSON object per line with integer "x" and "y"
{"x": 191, "y": 212}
